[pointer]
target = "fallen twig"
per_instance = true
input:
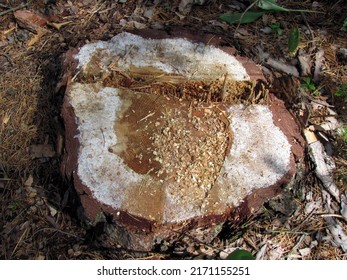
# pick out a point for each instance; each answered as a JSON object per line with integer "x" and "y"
{"x": 13, "y": 9}
{"x": 333, "y": 215}
{"x": 307, "y": 25}
{"x": 19, "y": 241}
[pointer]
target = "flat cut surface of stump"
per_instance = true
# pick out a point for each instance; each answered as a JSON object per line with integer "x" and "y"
{"x": 162, "y": 134}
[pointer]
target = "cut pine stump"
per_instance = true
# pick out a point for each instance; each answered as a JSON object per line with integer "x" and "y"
{"x": 171, "y": 134}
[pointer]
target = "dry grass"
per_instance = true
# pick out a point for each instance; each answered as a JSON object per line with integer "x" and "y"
{"x": 18, "y": 107}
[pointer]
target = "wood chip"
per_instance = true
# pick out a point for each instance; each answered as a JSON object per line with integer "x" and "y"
{"x": 30, "y": 20}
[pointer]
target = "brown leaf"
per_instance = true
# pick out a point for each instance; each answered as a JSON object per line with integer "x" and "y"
{"x": 30, "y": 20}
{"x": 58, "y": 25}
{"x": 29, "y": 181}
{"x": 37, "y": 37}
{"x": 305, "y": 63}
{"x": 41, "y": 151}
{"x": 40, "y": 257}
{"x": 5, "y": 119}
{"x": 52, "y": 210}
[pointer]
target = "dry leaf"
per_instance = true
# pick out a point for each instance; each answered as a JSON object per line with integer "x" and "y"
{"x": 41, "y": 151}
{"x": 29, "y": 181}
{"x": 40, "y": 257}
{"x": 5, "y": 119}
{"x": 185, "y": 6}
{"x": 305, "y": 252}
{"x": 305, "y": 63}
{"x": 58, "y": 25}
{"x": 282, "y": 66}
{"x": 52, "y": 210}
{"x": 37, "y": 37}
{"x": 276, "y": 253}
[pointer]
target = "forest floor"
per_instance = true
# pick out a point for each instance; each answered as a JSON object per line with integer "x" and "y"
{"x": 38, "y": 217}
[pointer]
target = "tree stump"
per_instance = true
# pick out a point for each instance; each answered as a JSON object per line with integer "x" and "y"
{"x": 171, "y": 134}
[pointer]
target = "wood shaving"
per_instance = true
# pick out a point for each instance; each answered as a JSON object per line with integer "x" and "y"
{"x": 191, "y": 152}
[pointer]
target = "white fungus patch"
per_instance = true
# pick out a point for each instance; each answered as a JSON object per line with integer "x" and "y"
{"x": 103, "y": 172}
{"x": 259, "y": 155}
{"x": 172, "y": 56}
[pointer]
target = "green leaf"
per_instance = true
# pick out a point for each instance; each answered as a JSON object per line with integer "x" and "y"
{"x": 241, "y": 17}
{"x": 342, "y": 92}
{"x": 294, "y": 39}
{"x": 277, "y": 29}
{"x": 239, "y": 254}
